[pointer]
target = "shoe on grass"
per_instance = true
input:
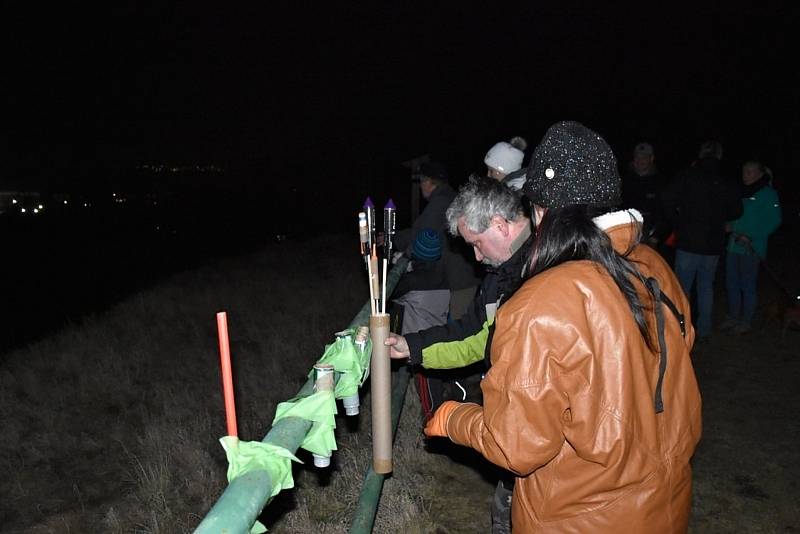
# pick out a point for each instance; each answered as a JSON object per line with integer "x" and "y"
{"x": 729, "y": 324}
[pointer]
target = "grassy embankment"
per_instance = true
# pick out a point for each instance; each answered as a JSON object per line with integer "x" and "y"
{"x": 111, "y": 425}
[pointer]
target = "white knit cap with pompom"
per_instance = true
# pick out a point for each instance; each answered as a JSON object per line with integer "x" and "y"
{"x": 506, "y": 156}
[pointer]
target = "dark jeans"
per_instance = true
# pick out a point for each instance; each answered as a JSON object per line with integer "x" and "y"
{"x": 691, "y": 267}
{"x": 741, "y": 277}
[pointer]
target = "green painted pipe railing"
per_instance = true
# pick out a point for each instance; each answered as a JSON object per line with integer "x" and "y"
{"x": 242, "y": 501}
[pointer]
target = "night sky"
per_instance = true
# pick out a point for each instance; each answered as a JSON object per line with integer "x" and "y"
{"x": 329, "y": 94}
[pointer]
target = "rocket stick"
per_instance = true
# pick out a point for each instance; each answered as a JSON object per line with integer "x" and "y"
{"x": 227, "y": 375}
{"x": 370, "y": 273}
{"x": 383, "y": 286}
{"x": 375, "y": 278}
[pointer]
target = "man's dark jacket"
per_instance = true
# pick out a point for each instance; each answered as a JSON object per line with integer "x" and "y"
{"x": 460, "y": 270}
{"x": 699, "y": 203}
{"x": 644, "y": 194}
{"x": 497, "y": 287}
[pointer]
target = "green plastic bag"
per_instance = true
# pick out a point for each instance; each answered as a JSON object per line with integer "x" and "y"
{"x": 320, "y": 409}
{"x": 245, "y": 456}
{"x": 351, "y": 362}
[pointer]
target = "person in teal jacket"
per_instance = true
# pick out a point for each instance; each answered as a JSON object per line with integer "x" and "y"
{"x": 747, "y": 244}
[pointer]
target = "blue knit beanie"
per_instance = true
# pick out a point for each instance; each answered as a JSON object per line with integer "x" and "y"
{"x": 427, "y": 245}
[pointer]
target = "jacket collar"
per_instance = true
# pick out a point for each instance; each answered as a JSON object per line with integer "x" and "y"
{"x": 623, "y": 228}
{"x": 520, "y": 240}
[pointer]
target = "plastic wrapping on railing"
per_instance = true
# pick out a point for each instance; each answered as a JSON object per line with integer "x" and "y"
{"x": 246, "y": 456}
{"x": 320, "y": 409}
{"x": 349, "y": 360}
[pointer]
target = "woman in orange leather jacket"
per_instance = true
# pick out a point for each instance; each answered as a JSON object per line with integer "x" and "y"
{"x": 592, "y": 399}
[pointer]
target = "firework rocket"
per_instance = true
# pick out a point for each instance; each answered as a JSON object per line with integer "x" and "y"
{"x": 389, "y": 212}
{"x": 369, "y": 209}
{"x": 363, "y": 233}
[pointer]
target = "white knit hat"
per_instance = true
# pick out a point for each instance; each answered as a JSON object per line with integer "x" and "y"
{"x": 504, "y": 157}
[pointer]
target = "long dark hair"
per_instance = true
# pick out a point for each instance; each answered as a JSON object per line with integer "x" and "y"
{"x": 569, "y": 233}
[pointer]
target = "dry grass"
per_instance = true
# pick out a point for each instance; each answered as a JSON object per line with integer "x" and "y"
{"x": 426, "y": 492}
{"x": 111, "y": 425}
{"x": 746, "y": 467}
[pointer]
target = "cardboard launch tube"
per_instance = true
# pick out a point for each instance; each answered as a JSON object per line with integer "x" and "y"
{"x": 323, "y": 381}
{"x": 323, "y": 377}
{"x": 381, "y": 376}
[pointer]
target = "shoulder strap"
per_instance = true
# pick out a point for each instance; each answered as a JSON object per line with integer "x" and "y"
{"x": 652, "y": 286}
{"x": 674, "y": 309}
{"x": 663, "y": 298}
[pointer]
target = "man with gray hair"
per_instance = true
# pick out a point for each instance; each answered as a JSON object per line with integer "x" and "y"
{"x": 490, "y": 220}
{"x": 490, "y": 217}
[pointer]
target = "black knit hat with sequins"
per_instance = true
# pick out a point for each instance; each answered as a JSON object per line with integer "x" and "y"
{"x": 573, "y": 165}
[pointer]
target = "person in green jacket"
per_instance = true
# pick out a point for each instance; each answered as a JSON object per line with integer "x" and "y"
{"x": 747, "y": 244}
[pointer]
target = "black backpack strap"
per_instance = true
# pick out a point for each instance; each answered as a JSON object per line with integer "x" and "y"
{"x": 674, "y": 309}
{"x": 652, "y": 285}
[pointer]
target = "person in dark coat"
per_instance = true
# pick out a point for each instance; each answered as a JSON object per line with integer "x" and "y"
{"x": 642, "y": 185}
{"x": 700, "y": 203}
{"x": 461, "y": 272}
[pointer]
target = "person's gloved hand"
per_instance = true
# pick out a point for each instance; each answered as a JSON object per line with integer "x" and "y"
{"x": 437, "y": 426}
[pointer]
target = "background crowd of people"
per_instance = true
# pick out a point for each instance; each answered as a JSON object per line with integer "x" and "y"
{"x": 692, "y": 218}
{"x": 533, "y": 228}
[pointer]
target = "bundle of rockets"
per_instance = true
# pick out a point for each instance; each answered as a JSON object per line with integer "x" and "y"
{"x": 369, "y": 246}
{"x": 380, "y": 366}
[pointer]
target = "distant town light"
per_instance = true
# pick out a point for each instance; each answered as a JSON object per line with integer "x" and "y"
{"x": 13, "y": 200}
{"x": 35, "y": 210}
{"x": 65, "y": 202}
{"x": 22, "y": 210}
{"x": 41, "y": 207}
{"x": 113, "y": 194}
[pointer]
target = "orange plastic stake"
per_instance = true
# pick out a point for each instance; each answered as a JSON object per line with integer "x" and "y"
{"x": 227, "y": 376}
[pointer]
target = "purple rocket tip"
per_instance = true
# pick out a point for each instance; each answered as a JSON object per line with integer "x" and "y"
{"x": 390, "y": 205}
{"x": 368, "y": 203}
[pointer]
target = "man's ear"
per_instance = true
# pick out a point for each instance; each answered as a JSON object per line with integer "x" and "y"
{"x": 501, "y": 224}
